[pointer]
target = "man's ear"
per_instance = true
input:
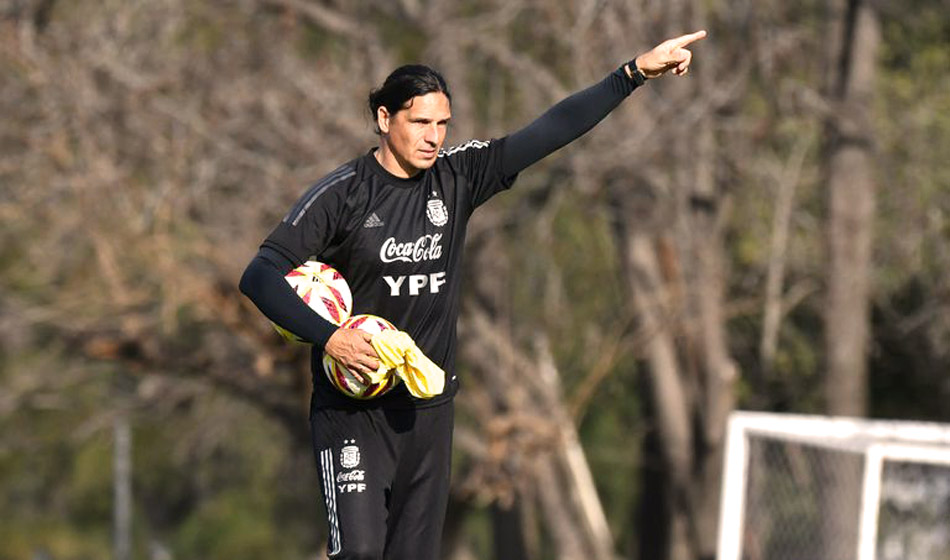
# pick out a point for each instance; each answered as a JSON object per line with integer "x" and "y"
{"x": 382, "y": 120}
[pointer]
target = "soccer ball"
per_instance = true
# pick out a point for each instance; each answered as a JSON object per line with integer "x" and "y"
{"x": 321, "y": 287}
{"x": 342, "y": 378}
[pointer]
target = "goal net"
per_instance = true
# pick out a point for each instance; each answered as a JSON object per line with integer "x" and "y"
{"x": 801, "y": 487}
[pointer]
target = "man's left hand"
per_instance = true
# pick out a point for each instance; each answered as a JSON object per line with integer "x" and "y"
{"x": 668, "y": 55}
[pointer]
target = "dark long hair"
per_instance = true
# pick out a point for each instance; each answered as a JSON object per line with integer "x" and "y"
{"x": 402, "y": 85}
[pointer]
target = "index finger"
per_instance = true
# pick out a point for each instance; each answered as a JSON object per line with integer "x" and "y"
{"x": 684, "y": 40}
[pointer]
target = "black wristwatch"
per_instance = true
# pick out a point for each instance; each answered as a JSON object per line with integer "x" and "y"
{"x": 635, "y": 74}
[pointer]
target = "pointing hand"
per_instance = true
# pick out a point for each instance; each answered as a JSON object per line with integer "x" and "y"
{"x": 668, "y": 55}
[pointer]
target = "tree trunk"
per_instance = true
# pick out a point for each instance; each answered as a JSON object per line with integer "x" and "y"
{"x": 716, "y": 369}
{"x": 507, "y": 526}
{"x": 122, "y": 488}
{"x": 850, "y": 177}
{"x": 670, "y": 409}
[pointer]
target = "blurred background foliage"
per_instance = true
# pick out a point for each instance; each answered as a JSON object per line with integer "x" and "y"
{"x": 147, "y": 148}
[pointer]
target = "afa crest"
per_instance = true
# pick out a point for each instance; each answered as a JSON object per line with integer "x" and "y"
{"x": 350, "y": 455}
{"x": 436, "y": 212}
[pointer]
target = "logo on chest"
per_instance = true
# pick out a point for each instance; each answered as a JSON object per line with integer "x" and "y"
{"x": 436, "y": 212}
{"x": 426, "y": 248}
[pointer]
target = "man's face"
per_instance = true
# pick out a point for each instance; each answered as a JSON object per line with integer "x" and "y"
{"x": 415, "y": 134}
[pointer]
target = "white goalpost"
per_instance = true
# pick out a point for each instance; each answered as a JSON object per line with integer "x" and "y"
{"x": 799, "y": 487}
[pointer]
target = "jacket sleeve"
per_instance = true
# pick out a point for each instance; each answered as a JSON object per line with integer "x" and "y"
{"x": 263, "y": 283}
{"x": 563, "y": 123}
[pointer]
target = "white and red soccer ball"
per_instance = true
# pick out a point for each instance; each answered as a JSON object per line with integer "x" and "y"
{"x": 342, "y": 378}
{"x": 322, "y": 288}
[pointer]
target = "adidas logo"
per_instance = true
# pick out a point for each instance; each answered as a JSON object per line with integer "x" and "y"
{"x": 373, "y": 221}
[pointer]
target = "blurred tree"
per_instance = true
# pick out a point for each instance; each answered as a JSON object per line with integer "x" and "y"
{"x": 850, "y": 169}
{"x": 851, "y": 190}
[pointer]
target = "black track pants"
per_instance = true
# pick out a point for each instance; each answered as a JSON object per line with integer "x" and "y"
{"x": 385, "y": 480}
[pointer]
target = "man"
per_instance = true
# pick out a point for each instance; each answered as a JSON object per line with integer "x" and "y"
{"x": 393, "y": 222}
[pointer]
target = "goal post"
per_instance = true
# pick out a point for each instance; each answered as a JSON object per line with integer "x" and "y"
{"x": 824, "y": 488}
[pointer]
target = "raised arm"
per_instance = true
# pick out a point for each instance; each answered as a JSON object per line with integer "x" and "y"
{"x": 572, "y": 117}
